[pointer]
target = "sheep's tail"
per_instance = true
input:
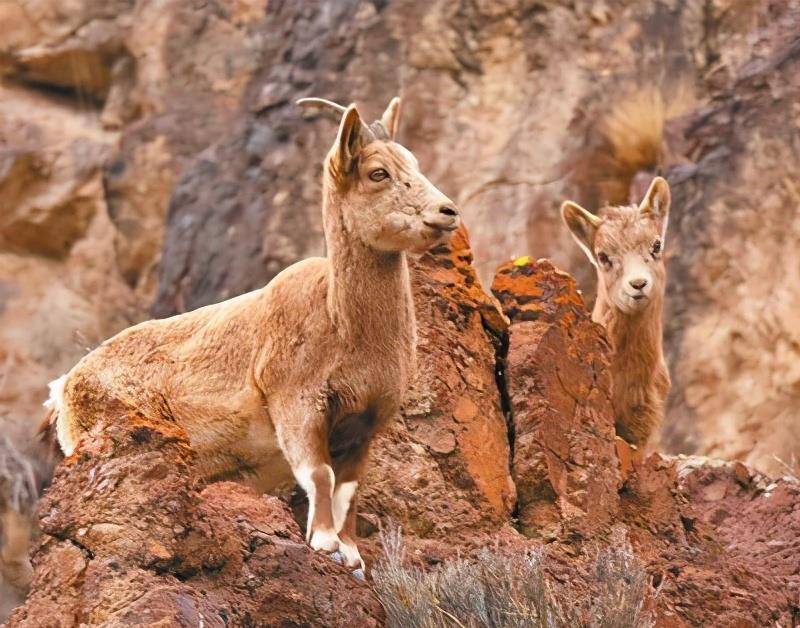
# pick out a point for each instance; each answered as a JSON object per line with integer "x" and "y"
{"x": 54, "y": 430}
{"x": 629, "y": 142}
{"x": 46, "y": 434}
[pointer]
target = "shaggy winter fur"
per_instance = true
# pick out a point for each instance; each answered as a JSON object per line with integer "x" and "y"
{"x": 626, "y": 246}
{"x": 294, "y": 378}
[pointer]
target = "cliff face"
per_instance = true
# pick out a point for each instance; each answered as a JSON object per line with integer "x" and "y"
{"x": 506, "y": 442}
{"x": 151, "y": 156}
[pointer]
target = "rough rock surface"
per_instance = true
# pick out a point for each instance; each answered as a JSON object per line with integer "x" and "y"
{"x": 719, "y": 548}
{"x": 127, "y": 532}
{"x": 101, "y": 106}
{"x": 451, "y": 442}
{"x": 128, "y": 538}
{"x": 718, "y": 540}
{"x": 556, "y": 372}
{"x": 733, "y": 337}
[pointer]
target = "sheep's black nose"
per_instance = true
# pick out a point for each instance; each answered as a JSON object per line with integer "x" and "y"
{"x": 448, "y": 211}
{"x": 638, "y": 284}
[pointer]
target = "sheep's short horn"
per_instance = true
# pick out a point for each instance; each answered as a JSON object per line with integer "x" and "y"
{"x": 335, "y": 112}
{"x": 323, "y": 105}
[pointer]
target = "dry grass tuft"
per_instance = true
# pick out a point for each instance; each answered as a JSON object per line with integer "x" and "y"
{"x": 18, "y": 487}
{"x": 507, "y": 591}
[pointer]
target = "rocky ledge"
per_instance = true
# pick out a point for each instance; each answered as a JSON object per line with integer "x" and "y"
{"x": 507, "y": 442}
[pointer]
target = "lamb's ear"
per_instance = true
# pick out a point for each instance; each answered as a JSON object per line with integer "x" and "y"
{"x": 583, "y": 226}
{"x": 348, "y": 142}
{"x": 390, "y": 120}
{"x": 656, "y": 204}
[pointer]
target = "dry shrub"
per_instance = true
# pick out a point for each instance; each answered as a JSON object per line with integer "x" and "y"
{"x": 502, "y": 590}
{"x": 18, "y": 487}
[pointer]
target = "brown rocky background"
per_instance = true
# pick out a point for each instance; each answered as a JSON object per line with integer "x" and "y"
{"x": 151, "y": 161}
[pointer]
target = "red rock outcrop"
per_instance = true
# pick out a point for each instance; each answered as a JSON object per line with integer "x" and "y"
{"x": 129, "y": 538}
{"x": 450, "y": 447}
{"x": 556, "y": 372}
{"x": 719, "y": 541}
{"x": 711, "y": 565}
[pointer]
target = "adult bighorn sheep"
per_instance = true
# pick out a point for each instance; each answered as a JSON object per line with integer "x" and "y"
{"x": 303, "y": 371}
{"x": 626, "y": 246}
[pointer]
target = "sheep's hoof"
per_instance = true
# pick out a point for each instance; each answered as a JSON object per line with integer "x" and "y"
{"x": 337, "y": 557}
{"x": 358, "y": 574}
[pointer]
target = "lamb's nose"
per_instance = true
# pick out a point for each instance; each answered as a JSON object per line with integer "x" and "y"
{"x": 638, "y": 284}
{"x": 448, "y": 211}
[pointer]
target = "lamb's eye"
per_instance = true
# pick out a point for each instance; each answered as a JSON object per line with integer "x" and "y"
{"x": 378, "y": 175}
{"x": 603, "y": 259}
{"x": 656, "y": 248}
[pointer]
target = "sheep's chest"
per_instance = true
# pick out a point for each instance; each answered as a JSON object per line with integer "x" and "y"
{"x": 379, "y": 373}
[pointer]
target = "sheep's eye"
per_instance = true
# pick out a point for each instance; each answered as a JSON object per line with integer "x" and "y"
{"x": 603, "y": 259}
{"x": 656, "y": 248}
{"x": 378, "y": 175}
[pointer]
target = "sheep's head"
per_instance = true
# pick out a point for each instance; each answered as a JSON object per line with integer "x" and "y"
{"x": 383, "y": 197}
{"x": 626, "y": 246}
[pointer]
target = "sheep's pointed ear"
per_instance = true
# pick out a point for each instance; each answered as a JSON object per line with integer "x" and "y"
{"x": 390, "y": 120}
{"x": 656, "y": 204}
{"x": 348, "y": 142}
{"x": 583, "y": 226}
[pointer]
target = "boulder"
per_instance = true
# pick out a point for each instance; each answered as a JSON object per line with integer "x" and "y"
{"x": 129, "y": 537}
{"x": 564, "y": 463}
{"x": 442, "y": 468}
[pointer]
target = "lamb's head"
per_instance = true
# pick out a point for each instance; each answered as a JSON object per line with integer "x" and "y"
{"x": 626, "y": 246}
{"x": 377, "y": 185}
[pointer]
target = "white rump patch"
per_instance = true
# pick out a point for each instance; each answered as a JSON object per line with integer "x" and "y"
{"x": 55, "y": 402}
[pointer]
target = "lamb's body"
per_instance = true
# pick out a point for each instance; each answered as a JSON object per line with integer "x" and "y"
{"x": 625, "y": 243}
{"x": 638, "y": 370}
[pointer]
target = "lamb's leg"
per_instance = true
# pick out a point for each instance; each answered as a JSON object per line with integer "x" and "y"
{"x": 306, "y": 450}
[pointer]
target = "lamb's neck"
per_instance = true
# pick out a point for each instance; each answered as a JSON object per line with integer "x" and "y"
{"x": 636, "y": 334}
{"x": 369, "y": 294}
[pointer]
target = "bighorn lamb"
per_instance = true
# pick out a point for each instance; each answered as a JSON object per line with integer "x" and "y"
{"x": 626, "y": 245}
{"x": 303, "y": 371}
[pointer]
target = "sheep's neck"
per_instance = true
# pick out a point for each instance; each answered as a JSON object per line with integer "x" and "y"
{"x": 636, "y": 338}
{"x": 369, "y": 294}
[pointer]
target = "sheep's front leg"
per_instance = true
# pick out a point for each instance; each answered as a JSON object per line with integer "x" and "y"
{"x": 305, "y": 446}
{"x": 318, "y": 481}
{"x": 344, "y": 515}
{"x": 349, "y": 469}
